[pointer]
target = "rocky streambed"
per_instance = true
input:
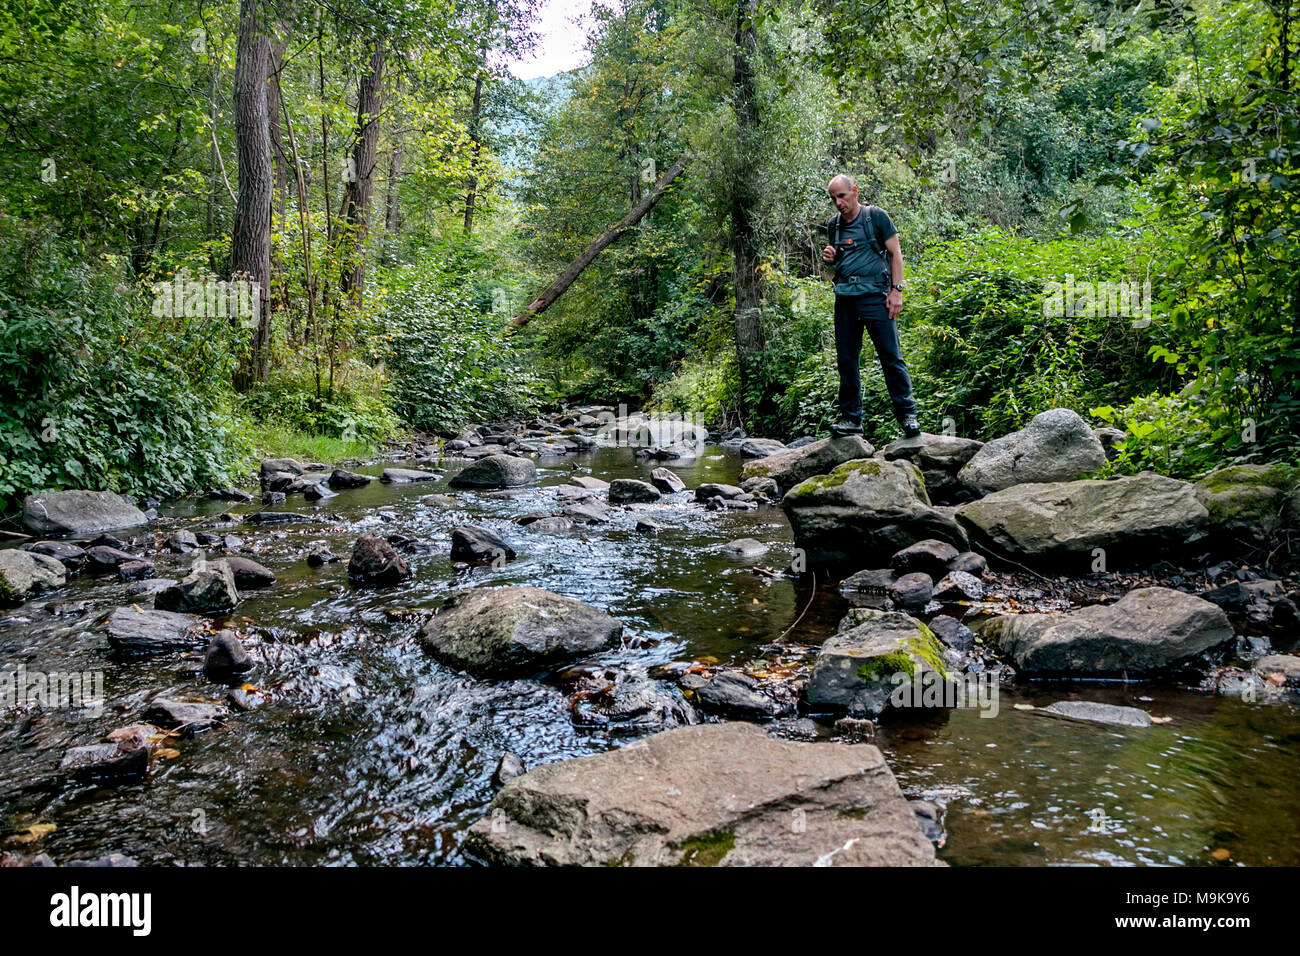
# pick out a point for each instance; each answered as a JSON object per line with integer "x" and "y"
{"x": 356, "y": 663}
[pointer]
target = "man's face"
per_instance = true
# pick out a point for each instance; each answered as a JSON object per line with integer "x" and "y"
{"x": 845, "y": 197}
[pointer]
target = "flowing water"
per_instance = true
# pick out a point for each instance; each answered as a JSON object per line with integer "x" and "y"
{"x": 370, "y": 752}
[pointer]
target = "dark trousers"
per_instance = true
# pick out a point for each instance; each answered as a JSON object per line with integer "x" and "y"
{"x": 853, "y": 313}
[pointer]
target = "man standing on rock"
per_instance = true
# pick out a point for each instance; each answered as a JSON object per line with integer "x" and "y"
{"x": 863, "y": 245}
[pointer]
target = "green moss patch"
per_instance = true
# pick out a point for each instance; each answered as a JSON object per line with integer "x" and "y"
{"x": 838, "y": 475}
{"x": 707, "y": 849}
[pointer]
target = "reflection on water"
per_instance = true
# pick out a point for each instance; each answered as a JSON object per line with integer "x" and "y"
{"x": 371, "y": 752}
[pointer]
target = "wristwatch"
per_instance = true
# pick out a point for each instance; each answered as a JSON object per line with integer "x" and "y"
{"x": 898, "y": 286}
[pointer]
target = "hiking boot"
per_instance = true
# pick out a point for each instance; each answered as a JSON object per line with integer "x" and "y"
{"x": 846, "y": 426}
{"x": 911, "y": 427}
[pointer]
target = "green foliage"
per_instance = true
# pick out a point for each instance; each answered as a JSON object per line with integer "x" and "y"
{"x": 356, "y": 411}
{"x": 449, "y": 360}
{"x": 1174, "y": 435}
{"x": 987, "y": 350}
{"x": 1223, "y": 171}
{"x": 101, "y": 394}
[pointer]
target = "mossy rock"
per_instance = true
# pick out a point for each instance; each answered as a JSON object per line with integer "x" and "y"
{"x": 1247, "y": 501}
{"x": 870, "y": 467}
{"x": 856, "y": 670}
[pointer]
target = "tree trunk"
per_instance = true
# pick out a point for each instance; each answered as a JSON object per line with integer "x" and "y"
{"x": 475, "y": 112}
{"x": 746, "y": 279}
{"x": 360, "y": 185}
{"x": 574, "y": 269}
{"x": 280, "y": 185}
{"x": 250, "y": 251}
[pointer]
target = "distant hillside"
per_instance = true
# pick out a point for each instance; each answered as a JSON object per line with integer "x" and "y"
{"x": 517, "y": 123}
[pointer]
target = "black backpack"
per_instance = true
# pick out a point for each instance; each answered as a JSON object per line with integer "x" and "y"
{"x": 873, "y": 237}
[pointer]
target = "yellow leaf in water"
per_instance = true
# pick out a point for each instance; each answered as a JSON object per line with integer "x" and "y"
{"x": 37, "y": 831}
{"x": 1221, "y": 854}
{"x": 249, "y": 688}
{"x": 1024, "y": 707}
{"x": 166, "y": 753}
{"x": 1162, "y": 720}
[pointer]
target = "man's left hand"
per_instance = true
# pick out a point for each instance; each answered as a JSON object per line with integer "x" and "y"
{"x": 894, "y": 302}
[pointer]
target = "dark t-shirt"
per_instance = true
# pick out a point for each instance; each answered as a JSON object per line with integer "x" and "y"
{"x": 858, "y": 267}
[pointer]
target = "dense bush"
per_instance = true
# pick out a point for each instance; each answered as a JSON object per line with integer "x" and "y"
{"x": 99, "y": 393}
{"x": 449, "y": 360}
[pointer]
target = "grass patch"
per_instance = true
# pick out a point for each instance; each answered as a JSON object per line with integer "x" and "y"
{"x": 278, "y": 441}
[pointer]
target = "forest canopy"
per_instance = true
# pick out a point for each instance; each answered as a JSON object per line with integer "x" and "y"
{"x": 265, "y": 226}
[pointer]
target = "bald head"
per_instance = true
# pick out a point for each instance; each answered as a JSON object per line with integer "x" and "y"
{"x": 844, "y": 193}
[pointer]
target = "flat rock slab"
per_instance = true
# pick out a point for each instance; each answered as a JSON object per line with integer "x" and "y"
{"x": 189, "y": 717}
{"x": 1144, "y": 631}
{"x": 106, "y": 762}
{"x": 79, "y": 512}
{"x": 400, "y": 476}
{"x": 708, "y": 795}
{"x": 1097, "y": 713}
{"x": 1130, "y": 518}
{"x": 277, "y": 517}
{"x": 135, "y": 630}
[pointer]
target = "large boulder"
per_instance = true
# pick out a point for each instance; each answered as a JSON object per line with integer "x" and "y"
{"x": 249, "y": 575}
{"x": 515, "y": 630}
{"x": 940, "y": 458}
{"x": 280, "y": 466}
{"x": 761, "y": 447}
{"x": 1146, "y": 630}
{"x": 864, "y": 511}
{"x": 497, "y": 471}
{"x": 474, "y": 543}
{"x": 339, "y": 478}
{"x": 875, "y": 653}
{"x": 709, "y": 795}
{"x": 789, "y": 467}
{"x": 1245, "y": 502}
{"x": 1132, "y": 519}
{"x": 624, "y": 491}
{"x": 208, "y": 589}
{"x": 25, "y": 573}
{"x": 79, "y": 512}
{"x": 1056, "y": 445}
{"x": 375, "y": 564}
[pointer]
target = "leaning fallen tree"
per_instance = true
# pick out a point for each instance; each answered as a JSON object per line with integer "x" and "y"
{"x": 574, "y": 269}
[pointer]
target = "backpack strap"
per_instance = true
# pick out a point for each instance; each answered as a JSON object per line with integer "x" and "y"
{"x": 873, "y": 237}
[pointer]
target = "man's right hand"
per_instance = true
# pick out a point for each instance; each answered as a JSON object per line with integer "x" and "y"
{"x": 828, "y": 254}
